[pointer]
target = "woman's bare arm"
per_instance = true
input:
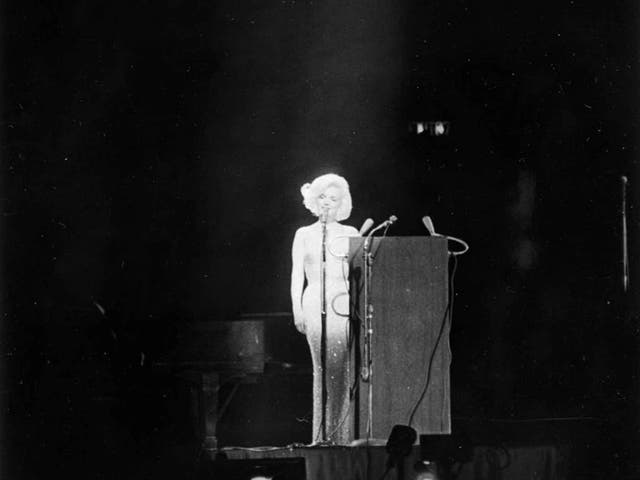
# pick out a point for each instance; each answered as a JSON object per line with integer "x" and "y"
{"x": 297, "y": 280}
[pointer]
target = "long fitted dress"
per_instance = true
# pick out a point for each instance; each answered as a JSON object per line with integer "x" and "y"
{"x": 339, "y": 415}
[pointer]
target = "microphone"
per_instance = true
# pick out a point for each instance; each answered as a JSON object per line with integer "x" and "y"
{"x": 388, "y": 222}
{"x": 384, "y": 224}
{"x": 391, "y": 220}
{"x": 426, "y": 220}
{"x": 368, "y": 223}
{"x": 324, "y": 213}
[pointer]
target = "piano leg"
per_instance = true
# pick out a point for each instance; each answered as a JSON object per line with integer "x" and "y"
{"x": 209, "y": 409}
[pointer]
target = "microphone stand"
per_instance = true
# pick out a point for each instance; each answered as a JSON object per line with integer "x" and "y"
{"x": 323, "y": 324}
{"x": 366, "y": 372}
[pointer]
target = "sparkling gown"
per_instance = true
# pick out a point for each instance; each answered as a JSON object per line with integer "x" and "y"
{"x": 339, "y": 415}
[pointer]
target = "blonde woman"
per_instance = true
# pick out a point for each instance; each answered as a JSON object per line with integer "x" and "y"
{"x": 327, "y": 198}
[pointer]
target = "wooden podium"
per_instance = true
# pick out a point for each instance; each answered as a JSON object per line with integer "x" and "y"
{"x": 408, "y": 292}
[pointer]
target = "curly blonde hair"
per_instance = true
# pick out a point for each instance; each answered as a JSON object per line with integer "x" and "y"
{"x": 311, "y": 192}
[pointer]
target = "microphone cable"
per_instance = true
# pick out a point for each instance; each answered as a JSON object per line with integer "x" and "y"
{"x": 447, "y": 316}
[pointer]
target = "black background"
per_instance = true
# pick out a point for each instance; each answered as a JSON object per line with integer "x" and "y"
{"x": 152, "y": 156}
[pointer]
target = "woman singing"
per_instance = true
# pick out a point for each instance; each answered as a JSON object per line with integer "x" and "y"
{"x": 328, "y": 198}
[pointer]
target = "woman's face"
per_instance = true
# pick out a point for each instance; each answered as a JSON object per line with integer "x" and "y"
{"x": 330, "y": 200}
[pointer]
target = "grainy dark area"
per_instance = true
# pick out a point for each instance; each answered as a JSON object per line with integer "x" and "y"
{"x": 152, "y": 154}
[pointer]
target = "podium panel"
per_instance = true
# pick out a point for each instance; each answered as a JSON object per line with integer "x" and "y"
{"x": 410, "y": 335}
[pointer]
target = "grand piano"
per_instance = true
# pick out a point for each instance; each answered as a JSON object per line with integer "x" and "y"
{"x": 209, "y": 354}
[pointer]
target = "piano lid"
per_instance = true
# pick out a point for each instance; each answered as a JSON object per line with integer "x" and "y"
{"x": 229, "y": 347}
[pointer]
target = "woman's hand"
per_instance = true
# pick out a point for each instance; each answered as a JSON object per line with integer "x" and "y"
{"x": 298, "y": 319}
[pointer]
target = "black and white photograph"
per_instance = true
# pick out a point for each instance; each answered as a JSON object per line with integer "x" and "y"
{"x": 319, "y": 240}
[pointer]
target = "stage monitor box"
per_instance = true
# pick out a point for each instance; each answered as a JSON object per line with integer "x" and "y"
{"x": 410, "y": 337}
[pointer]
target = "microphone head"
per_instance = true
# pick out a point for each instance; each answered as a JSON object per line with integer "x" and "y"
{"x": 392, "y": 219}
{"x": 368, "y": 223}
{"x": 426, "y": 220}
{"x": 324, "y": 214}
